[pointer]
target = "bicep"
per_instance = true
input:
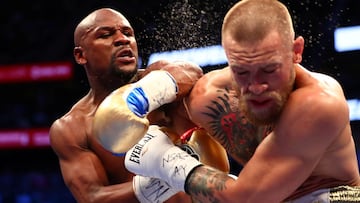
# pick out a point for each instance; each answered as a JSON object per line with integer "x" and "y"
{"x": 76, "y": 161}
{"x": 80, "y": 167}
{"x": 82, "y": 172}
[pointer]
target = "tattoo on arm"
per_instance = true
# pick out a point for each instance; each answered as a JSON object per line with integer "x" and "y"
{"x": 205, "y": 182}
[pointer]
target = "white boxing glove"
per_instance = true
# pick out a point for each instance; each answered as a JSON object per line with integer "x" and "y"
{"x": 149, "y": 93}
{"x": 151, "y": 190}
{"x": 156, "y": 156}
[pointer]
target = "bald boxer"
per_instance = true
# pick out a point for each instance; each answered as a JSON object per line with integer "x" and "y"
{"x": 117, "y": 124}
{"x": 106, "y": 47}
{"x": 308, "y": 153}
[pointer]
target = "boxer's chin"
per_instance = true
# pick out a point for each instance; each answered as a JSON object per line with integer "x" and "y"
{"x": 126, "y": 74}
{"x": 264, "y": 116}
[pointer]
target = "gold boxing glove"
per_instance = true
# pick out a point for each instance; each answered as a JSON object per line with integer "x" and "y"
{"x": 119, "y": 122}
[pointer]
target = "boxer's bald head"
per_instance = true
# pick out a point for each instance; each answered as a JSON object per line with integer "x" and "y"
{"x": 92, "y": 20}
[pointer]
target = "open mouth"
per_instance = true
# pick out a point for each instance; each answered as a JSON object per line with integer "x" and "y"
{"x": 125, "y": 56}
{"x": 125, "y": 53}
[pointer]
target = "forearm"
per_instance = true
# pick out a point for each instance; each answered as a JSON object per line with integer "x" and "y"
{"x": 205, "y": 183}
{"x": 105, "y": 194}
{"x": 118, "y": 193}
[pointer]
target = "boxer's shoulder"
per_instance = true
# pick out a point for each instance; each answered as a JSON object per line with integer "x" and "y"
{"x": 210, "y": 84}
{"x": 214, "y": 89}
{"x": 71, "y": 128}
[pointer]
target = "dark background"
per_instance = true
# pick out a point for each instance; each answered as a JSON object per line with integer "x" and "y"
{"x": 42, "y": 31}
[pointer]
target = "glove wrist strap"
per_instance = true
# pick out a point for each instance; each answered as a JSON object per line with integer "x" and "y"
{"x": 148, "y": 190}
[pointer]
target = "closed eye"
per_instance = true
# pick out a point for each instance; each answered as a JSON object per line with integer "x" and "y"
{"x": 105, "y": 35}
{"x": 242, "y": 73}
{"x": 271, "y": 68}
{"x": 128, "y": 32}
{"x": 105, "y": 32}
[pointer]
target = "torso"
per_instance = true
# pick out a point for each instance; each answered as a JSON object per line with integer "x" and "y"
{"x": 339, "y": 164}
{"x": 217, "y": 111}
{"x": 82, "y": 114}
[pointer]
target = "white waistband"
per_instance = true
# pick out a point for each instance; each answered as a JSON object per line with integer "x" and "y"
{"x": 318, "y": 196}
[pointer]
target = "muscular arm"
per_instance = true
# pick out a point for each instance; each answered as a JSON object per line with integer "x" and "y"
{"x": 83, "y": 171}
{"x": 281, "y": 162}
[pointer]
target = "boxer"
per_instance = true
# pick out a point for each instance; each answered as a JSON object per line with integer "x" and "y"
{"x": 309, "y": 151}
{"x": 122, "y": 119}
{"x": 105, "y": 47}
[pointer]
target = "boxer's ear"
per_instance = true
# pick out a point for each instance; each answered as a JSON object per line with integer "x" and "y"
{"x": 79, "y": 55}
{"x": 298, "y": 48}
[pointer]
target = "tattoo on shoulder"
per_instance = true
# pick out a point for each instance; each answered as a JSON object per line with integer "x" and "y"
{"x": 229, "y": 125}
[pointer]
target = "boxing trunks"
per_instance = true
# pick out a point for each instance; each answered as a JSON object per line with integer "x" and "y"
{"x": 343, "y": 194}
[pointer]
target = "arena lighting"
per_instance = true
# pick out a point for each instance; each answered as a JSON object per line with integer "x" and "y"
{"x": 24, "y": 138}
{"x": 347, "y": 38}
{"x": 203, "y": 56}
{"x": 50, "y": 71}
{"x": 354, "y": 107}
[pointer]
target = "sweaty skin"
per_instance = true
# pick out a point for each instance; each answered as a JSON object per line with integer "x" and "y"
{"x": 308, "y": 143}
{"x": 273, "y": 155}
{"x": 105, "y": 46}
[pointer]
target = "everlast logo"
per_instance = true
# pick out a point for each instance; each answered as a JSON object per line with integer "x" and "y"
{"x": 135, "y": 153}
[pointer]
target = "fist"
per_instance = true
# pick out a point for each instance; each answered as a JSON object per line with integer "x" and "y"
{"x": 185, "y": 74}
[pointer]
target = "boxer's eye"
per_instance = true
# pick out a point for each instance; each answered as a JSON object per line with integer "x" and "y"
{"x": 105, "y": 35}
{"x": 242, "y": 73}
{"x": 271, "y": 68}
{"x": 128, "y": 32}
